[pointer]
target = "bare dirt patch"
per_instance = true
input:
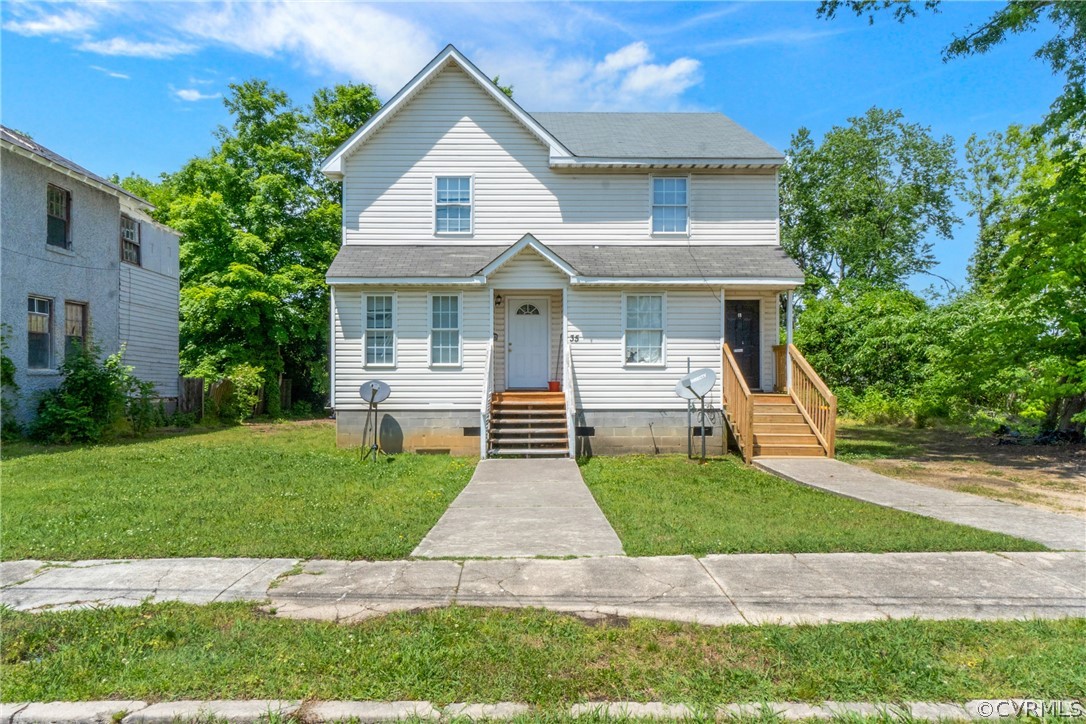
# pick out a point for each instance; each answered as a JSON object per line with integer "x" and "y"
{"x": 1049, "y": 477}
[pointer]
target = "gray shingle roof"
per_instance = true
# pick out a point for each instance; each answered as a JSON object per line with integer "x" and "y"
{"x": 425, "y": 261}
{"x": 655, "y": 135}
{"x": 36, "y": 148}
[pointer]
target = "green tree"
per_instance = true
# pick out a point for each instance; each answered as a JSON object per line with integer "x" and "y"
{"x": 259, "y": 226}
{"x": 1065, "y": 51}
{"x": 855, "y": 209}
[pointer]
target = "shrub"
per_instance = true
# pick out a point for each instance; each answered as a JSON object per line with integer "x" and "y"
{"x": 9, "y": 389}
{"x": 234, "y": 395}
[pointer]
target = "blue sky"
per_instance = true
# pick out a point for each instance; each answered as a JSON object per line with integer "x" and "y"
{"x": 137, "y": 87}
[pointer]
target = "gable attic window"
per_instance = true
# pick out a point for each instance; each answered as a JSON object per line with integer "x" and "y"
{"x": 452, "y": 205}
{"x": 130, "y": 240}
{"x": 669, "y": 205}
{"x": 59, "y": 217}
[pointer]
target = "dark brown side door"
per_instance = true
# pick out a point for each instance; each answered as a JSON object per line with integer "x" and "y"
{"x": 742, "y": 332}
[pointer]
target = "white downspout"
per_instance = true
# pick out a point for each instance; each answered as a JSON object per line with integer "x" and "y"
{"x": 332, "y": 349}
{"x": 788, "y": 349}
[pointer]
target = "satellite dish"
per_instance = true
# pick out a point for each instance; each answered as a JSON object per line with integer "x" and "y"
{"x": 684, "y": 392}
{"x": 374, "y": 391}
{"x": 698, "y": 383}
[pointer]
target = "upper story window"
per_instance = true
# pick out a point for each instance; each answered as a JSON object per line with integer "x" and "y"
{"x": 39, "y": 333}
{"x": 669, "y": 205}
{"x": 130, "y": 240}
{"x": 452, "y": 212}
{"x": 59, "y": 217}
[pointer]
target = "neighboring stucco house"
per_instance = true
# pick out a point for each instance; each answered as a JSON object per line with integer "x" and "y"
{"x": 490, "y": 255}
{"x": 81, "y": 258}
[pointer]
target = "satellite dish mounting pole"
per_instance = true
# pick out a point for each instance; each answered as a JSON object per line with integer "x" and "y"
{"x": 689, "y": 421}
{"x": 372, "y": 393}
{"x": 372, "y": 419}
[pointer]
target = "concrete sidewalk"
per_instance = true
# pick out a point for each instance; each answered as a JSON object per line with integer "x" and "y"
{"x": 521, "y": 508}
{"x": 1055, "y": 530}
{"x": 715, "y": 590}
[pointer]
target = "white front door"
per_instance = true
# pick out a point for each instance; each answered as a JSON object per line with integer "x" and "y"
{"x": 527, "y": 344}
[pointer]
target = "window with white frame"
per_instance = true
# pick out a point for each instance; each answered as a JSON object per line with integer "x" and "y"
{"x": 58, "y": 217}
{"x": 380, "y": 330}
{"x": 445, "y": 330}
{"x": 669, "y": 205}
{"x": 644, "y": 329}
{"x": 39, "y": 333}
{"x": 130, "y": 240}
{"x": 75, "y": 327}
{"x": 452, "y": 213}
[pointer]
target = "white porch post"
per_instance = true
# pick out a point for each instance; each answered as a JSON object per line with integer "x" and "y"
{"x": 788, "y": 349}
{"x": 332, "y": 348}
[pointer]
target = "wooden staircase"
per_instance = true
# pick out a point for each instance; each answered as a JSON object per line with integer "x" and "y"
{"x": 780, "y": 429}
{"x": 528, "y": 424}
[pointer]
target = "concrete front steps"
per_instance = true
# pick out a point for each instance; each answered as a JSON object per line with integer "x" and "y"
{"x": 528, "y": 424}
{"x": 780, "y": 430}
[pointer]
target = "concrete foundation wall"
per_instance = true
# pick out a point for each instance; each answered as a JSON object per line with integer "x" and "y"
{"x": 626, "y": 432}
{"x": 412, "y": 430}
{"x": 613, "y": 432}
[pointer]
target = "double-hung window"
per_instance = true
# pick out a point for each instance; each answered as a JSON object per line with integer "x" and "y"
{"x": 380, "y": 330}
{"x": 58, "y": 217}
{"x": 130, "y": 240}
{"x": 669, "y": 205}
{"x": 39, "y": 333}
{"x": 644, "y": 329}
{"x": 445, "y": 330}
{"x": 452, "y": 212}
{"x": 75, "y": 327}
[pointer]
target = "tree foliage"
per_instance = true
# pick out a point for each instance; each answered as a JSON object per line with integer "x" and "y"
{"x": 856, "y": 208}
{"x": 259, "y": 226}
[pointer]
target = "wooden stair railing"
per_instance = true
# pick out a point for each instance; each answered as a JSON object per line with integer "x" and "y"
{"x": 487, "y": 401}
{"x": 738, "y": 404}
{"x": 780, "y": 362}
{"x": 813, "y": 398}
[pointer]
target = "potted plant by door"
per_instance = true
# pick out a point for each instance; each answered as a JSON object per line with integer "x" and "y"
{"x": 555, "y": 385}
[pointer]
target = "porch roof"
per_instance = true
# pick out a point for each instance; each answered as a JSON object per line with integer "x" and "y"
{"x": 593, "y": 264}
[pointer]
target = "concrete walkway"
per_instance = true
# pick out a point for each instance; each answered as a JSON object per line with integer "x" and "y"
{"x": 248, "y": 711}
{"x": 521, "y": 508}
{"x": 1055, "y": 530}
{"x": 715, "y": 590}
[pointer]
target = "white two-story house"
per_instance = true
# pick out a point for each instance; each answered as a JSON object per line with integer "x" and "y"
{"x": 81, "y": 259}
{"x": 538, "y": 283}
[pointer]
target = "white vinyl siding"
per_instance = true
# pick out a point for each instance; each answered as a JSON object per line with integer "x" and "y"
{"x": 670, "y": 209}
{"x": 692, "y": 327}
{"x": 416, "y": 385}
{"x": 380, "y": 318}
{"x": 453, "y": 129}
{"x": 445, "y": 321}
{"x": 149, "y": 325}
{"x": 644, "y": 333}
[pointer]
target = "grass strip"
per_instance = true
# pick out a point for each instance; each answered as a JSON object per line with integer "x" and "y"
{"x": 668, "y": 505}
{"x": 226, "y": 651}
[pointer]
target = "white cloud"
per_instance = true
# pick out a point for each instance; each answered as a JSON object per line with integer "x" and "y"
{"x": 111, "y": 73}
{"x": 138, "y": 48}
{"x": 192, "y": 95}
{"x": 775, "y": 37}
{"x": 367, "y": 43}
{"x": 630, "y": 56}
{"x": 663, "y": 80}
{"x": 37, "y": 20}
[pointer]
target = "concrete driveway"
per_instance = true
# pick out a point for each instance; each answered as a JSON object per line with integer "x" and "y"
{"x": 522, "y": 508}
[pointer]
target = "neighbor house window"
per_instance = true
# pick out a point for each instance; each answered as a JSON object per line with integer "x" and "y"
{"x": 453, "y": 209}
{"x": 445, "y": 329}
{"x": 669, "y": 207}
{"x": 75, "y": 327}
{"x": 644, "y": 329}
{"x": 380, "y": 330}
{"x": 130, "y": 240}
{"x": 39, "y": 333}
{"x": 59, "y": 217}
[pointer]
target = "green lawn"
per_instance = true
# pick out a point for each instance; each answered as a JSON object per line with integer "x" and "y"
{"x": 179, "y": 651}
{"x": 279, "y": 490}
{"x": 668, "y": 505}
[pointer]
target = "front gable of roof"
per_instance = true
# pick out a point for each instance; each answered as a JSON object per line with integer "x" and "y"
{"x": 527, "y": 242}
{"x": 450, "y": 56}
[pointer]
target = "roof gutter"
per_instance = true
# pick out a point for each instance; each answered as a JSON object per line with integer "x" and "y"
{"x": 621, "y": 162}
{"x": 71, "y": 173}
